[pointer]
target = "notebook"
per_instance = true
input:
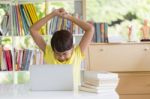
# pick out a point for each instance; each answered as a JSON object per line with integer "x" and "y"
{"x": 51, "y": 77}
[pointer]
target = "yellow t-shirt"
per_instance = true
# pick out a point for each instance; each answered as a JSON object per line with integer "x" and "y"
{"x": 75, "y": 60}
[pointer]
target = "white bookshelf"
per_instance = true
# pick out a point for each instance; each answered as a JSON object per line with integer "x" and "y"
{"x": 15, "y": 73}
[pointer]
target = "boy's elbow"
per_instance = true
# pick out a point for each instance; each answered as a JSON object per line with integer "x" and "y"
{"x": 92, "y": 29}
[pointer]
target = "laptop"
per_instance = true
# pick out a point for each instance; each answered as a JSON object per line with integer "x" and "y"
{"x": 51, "y": 77}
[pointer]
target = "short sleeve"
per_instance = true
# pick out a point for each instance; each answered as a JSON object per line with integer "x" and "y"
{"x": 79, "y": 53}
{"x": 48, "y": 53}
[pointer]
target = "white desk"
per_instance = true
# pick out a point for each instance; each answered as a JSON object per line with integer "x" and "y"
{"x": 15, "y": 92}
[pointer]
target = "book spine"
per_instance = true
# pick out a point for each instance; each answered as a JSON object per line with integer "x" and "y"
{"x": 8, "y": 58}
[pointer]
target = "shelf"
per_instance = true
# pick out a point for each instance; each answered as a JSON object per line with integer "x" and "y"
{"x": 11, "y": 72}
{"x": 5, "y": 1}
{"x": 5, "y": 36}
{"x": 6, "y": 71}
{"x": 29, "y": 36}
{"x": 32, "y": 1}
{"x": 132, "y": 43}
{"x": 23, "y": 71}
{"x": 61, "y": 0}
{"x": 28, "y": 1}
{"x": 41, "y": 35}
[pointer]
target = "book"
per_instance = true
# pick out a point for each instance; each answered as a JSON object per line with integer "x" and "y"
{"x": 5, "y": 24}
{"x": 3, "y": 62}
{"x": 102, "y": 30}
{"x": 95, "y": 90}
{"x": 0, "y": 57}
{"x": 99, "y": 81}
{"x": 102, "y": 82}
{"x": 28, "y": 59}
{"x": 98, "y": 33}
{"x": 106, "y": 32}
{"x": 57, "y": 23}
{"x": 93, "y": 75}
{"x": 8, "y": 58}
{"x": 106, "y": 87}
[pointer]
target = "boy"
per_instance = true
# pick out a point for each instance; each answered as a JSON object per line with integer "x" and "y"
{"x": 62, "y": 50}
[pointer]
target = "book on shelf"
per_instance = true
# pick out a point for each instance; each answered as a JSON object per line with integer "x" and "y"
{"x": 3, "y": 62}
{"x": 106, "y": 33}
{"x": 24, "y": 15}
{"x": 26, "y": 57}
{"x": 18, "y": 59}
{"x": 101, "y": 32}
{"x": 57, "y": 23}
{"x": 38, "y": 57}
{"x": 5, "y": 24}
{"x": 0, "y": 57}
{"x": 6, "y": 60}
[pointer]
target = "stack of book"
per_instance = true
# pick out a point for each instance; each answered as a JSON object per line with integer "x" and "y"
{"x": 99, "y": 82}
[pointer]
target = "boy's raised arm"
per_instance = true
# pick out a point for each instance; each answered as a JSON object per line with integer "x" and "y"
{"x": 35, "y": 28}
{"x": 88, "y": 28}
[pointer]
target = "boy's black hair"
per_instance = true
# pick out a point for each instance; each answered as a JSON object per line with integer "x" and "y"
{"x": 62, "y": 41}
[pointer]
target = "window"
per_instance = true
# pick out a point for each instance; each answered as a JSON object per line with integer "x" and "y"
{"x": 119, "y": 14}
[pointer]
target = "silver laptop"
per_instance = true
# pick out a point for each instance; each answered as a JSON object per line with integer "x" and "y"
{"x": 51, "y": 77}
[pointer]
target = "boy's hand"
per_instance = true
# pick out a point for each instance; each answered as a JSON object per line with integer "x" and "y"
{"x": 62, "y": 13}
{"x": 65, "y": 15}
{"x": 58, "y": 12}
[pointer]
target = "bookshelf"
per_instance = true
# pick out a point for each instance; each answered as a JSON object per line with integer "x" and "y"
{"x": 16, "y": 43}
